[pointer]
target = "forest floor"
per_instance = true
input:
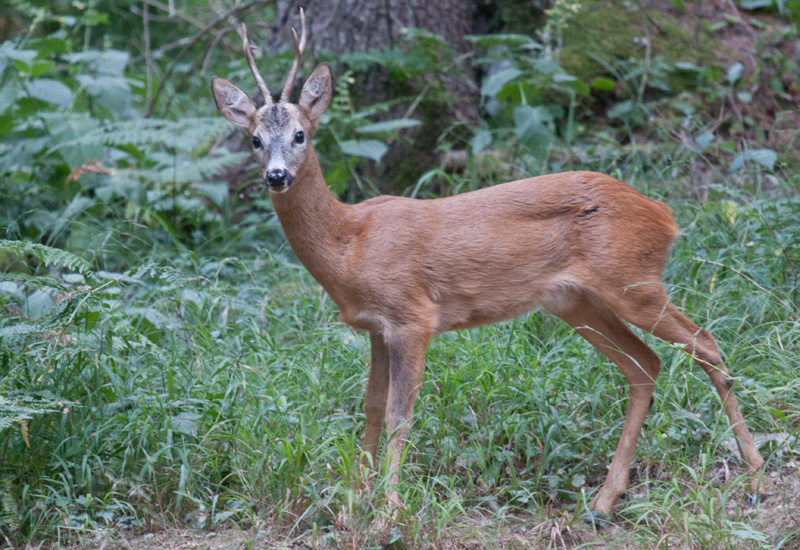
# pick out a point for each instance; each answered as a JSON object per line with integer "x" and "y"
{"x": 775, "y": 516}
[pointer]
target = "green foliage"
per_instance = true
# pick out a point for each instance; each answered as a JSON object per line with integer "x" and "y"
{"x": 46, "y": 255}
{"x": 73, "y": 147}
{"x": 520, "y": 97}
{"x": 393, "y": 126}
{"x": 162, "y": 361}
{"x": 16, "y": 410}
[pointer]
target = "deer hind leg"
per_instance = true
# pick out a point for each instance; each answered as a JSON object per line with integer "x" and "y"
{"x": 640, "y": 366}
{"x": 375, "y": 401}
{"x": 670, "y": 325}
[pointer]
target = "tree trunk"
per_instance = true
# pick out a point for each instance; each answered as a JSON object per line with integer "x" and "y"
{"x": 347, "y": 26}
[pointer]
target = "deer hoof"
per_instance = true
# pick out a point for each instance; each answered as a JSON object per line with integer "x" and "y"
{"x": 596, "y": 519}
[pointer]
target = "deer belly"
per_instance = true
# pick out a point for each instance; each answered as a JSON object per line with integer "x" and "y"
{"x": 500, "y": 302}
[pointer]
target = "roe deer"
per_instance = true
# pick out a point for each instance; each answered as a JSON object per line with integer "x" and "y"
{"x": 582, "y": 245}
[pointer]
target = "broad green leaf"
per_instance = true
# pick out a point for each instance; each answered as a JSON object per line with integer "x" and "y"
{"x": 738, "y": 162}
{"x": 779, "y": 414}
{"x": 764, "y": 157}
{"x": 51, "y": 91}
{"x": 755, "y": 4}
{"x": 389, "y": 125}
{"x": 686, "y": 108}
{"x": 573, "y": 82}
{"x": 49, "y": 45}
{"x": 481, "y": 140}
{"x": 703, "y": 140}
{"x": 8, "y": 94}
{"x": 564, "y": 77}
{"x": 25, "y": 56}
{"x": 185, "y": 423}
{"x": 108, "y": 62}
{"x": 603, "y": 84}
{"x": 40, "y": 66}
{"x": 520, "y": 93}
{"x": 581, "y": 87}
{"x": 546, "y": 66}
{"x": 530, "y": 121}
{"x": 369, "y": 148}
{"x": 111, "y": 92}
{"x": 688, "y": 66}
{"x": 735, "y": 72}
{"x": 621, "y": 108}
{"x": 67, "y": 128}
{"x": 495, "y": 82}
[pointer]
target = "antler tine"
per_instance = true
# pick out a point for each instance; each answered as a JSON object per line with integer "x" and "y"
{"x": 253, "y": 69}
{"x": 298, "y": 51}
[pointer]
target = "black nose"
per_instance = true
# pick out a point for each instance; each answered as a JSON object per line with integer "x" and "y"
{"x": 278, "y": 177}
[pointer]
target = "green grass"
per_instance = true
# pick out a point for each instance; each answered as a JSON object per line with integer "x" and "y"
{"x": 223, "y": 392}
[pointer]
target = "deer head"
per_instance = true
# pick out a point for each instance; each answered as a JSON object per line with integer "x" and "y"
{"x": 281, "y": 132}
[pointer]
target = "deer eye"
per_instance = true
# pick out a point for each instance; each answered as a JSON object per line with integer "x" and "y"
{"x": 256, "y": 142}
{"x": 299, "y": 137}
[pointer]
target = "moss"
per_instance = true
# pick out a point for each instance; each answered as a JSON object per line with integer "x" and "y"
{"x": 602, "y": 30}
{"x": 605, "y": 31}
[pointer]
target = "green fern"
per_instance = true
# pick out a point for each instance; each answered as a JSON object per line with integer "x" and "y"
{"x": 182, "y": 135}
{"x": 16, "y": 334}
{"x": 38, "y": 281}
{"x": 172, "y": 276}
{"x": 75, "y": 302}
{"x": 183, "y": 170}
{"x": 17, "y": 407}
{"x": 48, "y": 256}
{"x": 9, "y": 509}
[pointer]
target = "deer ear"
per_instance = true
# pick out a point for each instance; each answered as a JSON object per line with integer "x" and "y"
{"x": 317, "y": 92}
{"x": 232, "y": 103}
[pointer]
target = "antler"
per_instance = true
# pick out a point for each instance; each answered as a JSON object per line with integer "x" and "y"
{"x": 253, "y": 69}
{"x": 298, "y": 51}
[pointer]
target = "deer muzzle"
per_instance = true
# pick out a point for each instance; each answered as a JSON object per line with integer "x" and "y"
{"x": 278, "y": 180}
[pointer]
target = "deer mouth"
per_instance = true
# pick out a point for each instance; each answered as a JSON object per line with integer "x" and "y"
{"x": 279, "y": 184}
{"x": 278, "y": 190}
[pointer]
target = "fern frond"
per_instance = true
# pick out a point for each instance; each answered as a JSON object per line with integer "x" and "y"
{"x": 15, "y": 333}
{"x": 38, "y": 281}
{"x": 9, "y": 509}
{"x": 48, "y": 256}
{"x": 185, "y": 170}
{"x": 18, "y": 409}
{"x": 181, "y": 135}
{"x": 172, "y": 276}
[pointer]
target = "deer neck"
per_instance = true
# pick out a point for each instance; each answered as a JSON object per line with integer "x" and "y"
{"x": 316, "y": 225}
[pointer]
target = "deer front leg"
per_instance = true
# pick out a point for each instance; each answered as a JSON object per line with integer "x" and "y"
{"x": 375, "y": 401}
{"x": 406, "y": 361}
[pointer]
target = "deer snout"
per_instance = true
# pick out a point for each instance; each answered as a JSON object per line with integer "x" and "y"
{"x": 278, "y": 179}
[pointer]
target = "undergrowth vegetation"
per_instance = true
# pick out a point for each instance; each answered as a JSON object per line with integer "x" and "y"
{"x": 165, "y": 360}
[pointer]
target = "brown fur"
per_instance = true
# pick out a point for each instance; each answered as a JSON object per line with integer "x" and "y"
{"x": 584, "y": 246}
